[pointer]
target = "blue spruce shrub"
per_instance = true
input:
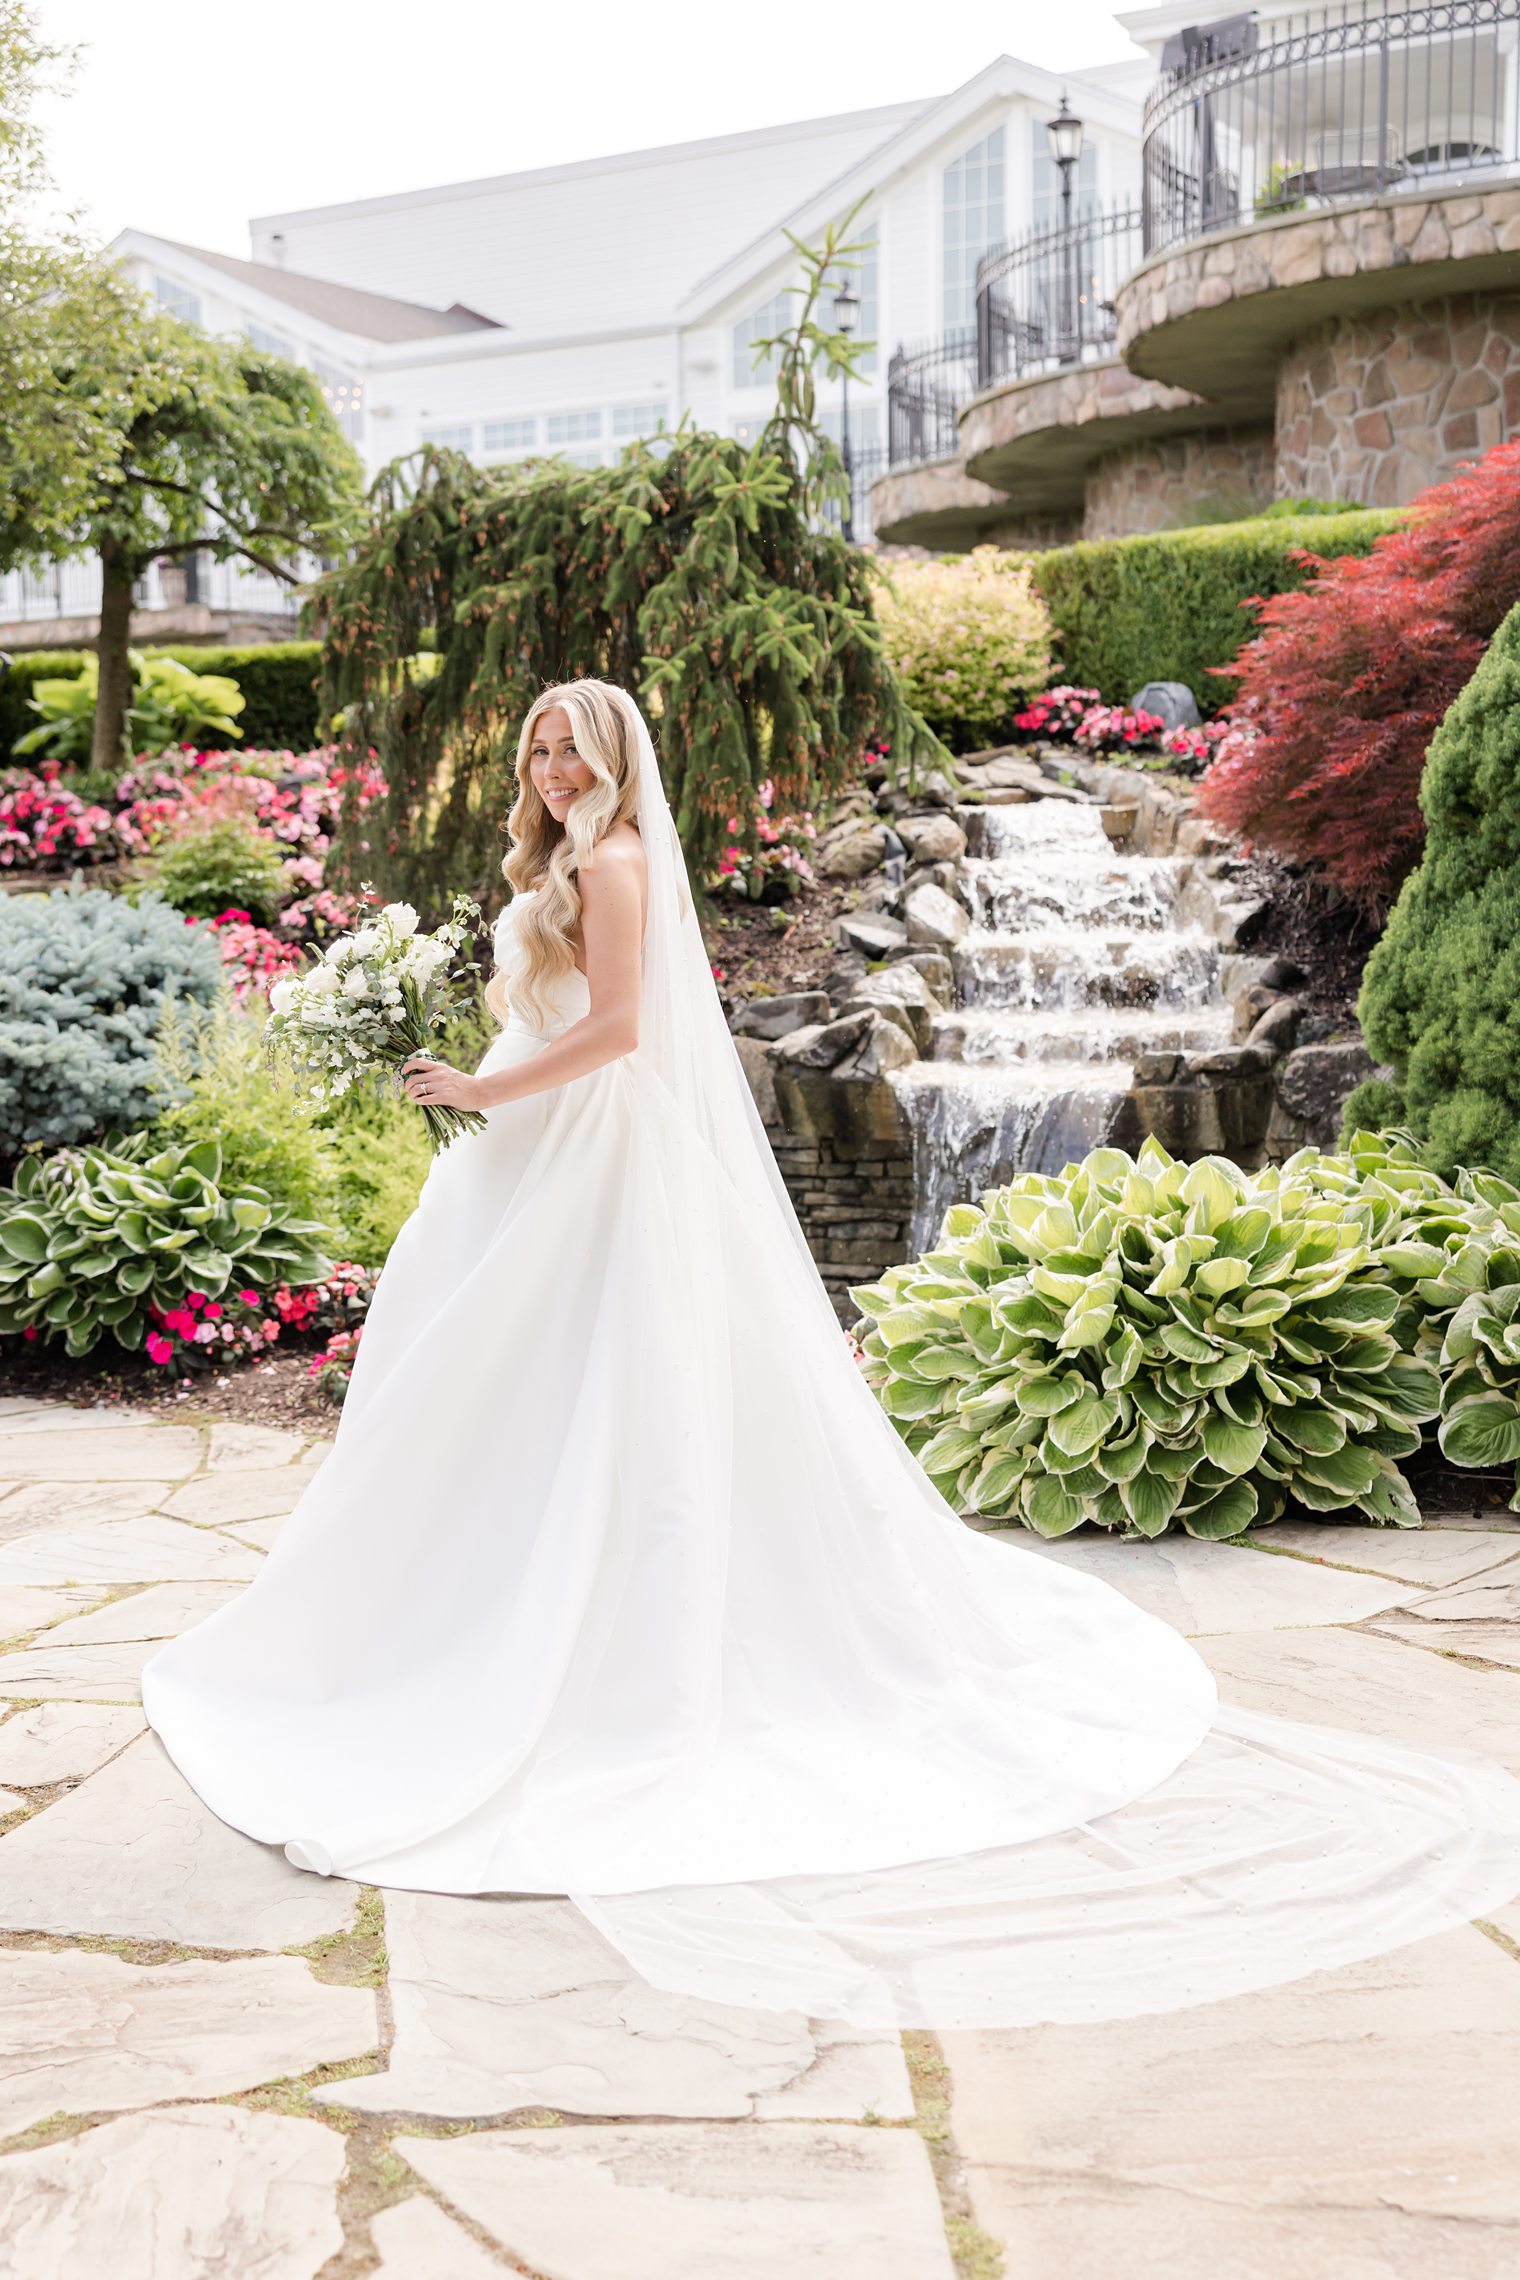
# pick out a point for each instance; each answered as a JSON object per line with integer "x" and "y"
{"x": 84, "y": 977}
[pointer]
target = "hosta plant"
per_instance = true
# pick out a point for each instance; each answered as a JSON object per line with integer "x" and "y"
{"x": 97, "y": 1240}
{"x": 1146, "y": 1344}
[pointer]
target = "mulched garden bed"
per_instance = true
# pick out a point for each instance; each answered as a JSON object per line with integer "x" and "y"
{"x": 279, "y": 1391}
{"x": 1311, "y": 924}
{"x": 752, "y": 952}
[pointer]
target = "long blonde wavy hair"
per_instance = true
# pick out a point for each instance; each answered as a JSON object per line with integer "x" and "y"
{"x": 547, "y": 855}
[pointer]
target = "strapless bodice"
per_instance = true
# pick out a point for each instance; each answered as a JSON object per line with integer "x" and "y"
{"x": 569, "y": 995}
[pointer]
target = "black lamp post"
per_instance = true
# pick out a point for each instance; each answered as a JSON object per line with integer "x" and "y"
{"x": 846, "y": 318}
{"x": 1065, "y": 132}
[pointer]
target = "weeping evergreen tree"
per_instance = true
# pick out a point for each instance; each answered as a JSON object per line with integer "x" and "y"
{"x": 697, "y": 573}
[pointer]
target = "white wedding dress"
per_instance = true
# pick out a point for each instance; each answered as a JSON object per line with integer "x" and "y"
{"x": 618, "y": 1584}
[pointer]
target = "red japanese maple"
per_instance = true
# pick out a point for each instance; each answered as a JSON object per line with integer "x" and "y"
{"x": 1347, "y": 681}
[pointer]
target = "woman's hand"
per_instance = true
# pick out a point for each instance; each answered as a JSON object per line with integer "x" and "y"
{"x": 433, "y": 1084}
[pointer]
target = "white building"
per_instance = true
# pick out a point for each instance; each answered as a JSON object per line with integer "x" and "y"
{"x": 572, "y": 308}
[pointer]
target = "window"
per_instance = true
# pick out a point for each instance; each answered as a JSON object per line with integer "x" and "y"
{"x": 177, "y": 300}
{"x": 773, "y": 316}
{"x": 638, "y": 419}
{"x": 973, "y": 221}
{"x": 344, "y": 396}
{"x": 748, "y": 432}
{"x": 574, "y": 427}
{"x": 1047, "y": 182}
{"x": 270, "y": 344}
{"x": 458, "y": 437}
{"x": 583, "y": 458}
{"x": 510, "y": 435}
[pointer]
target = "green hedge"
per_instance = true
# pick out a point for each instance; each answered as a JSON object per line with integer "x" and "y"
{"x": 278, "y": 679}
{"x": 1167, "y": 606}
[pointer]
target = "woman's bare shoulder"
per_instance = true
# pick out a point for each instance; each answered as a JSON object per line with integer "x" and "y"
{"x": 620, "y": 849}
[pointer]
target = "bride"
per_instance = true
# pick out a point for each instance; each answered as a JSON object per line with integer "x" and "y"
{"x": 618, "y": 1584}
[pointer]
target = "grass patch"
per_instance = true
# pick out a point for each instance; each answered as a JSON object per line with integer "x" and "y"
{"x": 976, "y": 2254}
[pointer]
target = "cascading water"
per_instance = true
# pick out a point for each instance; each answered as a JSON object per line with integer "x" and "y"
{"x": 1076, "y": 962}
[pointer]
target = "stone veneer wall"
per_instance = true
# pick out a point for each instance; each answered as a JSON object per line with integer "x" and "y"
{"x": 855, "y": 1201}
{"x": 1373, "y": 407}
{"x": 1156, "y": 482}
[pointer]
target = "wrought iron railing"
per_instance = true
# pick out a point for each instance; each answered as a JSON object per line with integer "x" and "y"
{"x": 1046, "y": 299}
{"x": 926, "y": 388}
{"x": 1260, "y": 119}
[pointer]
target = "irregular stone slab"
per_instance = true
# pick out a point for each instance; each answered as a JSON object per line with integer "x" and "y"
{"x": 1491, "y": 1598}
{"x": 110, "y": 1452}
{"x": 182, "y": 2194}
{"x": 63, "y": 1741}
{"x": 1491, "y": 1517}
{"x": 126, "y": 1551}
{"x": 82, "y": 2032}
{"x": 1486, "y": 1642}
{"x": 75, "y": 1504}
{"x": 1408, "y": 1554}
{"x": 247, "y": 1448}
{"x": 160, "y": 1612}
{"x": 1392, "y": 2085}
{"x": 1199, "y": 1587}
{"x": 11, "y": 1801}
{"x": 507, "y": 2003}
{"x": 418, "y": 2242}
{"x": 1372, "y": 1685}
{"x": 25, "y": 1608}
{"x": 111, "y": 1673}
{"x": 215, "y": 1499}
{"x": 133, "y": 1852}
{"x": 698, "y": 2200}
{"x": 61, "y": 1417}
{"x": 260, "y": 1535}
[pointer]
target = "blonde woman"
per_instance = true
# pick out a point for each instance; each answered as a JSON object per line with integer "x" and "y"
{"x": 618, "y": 1584}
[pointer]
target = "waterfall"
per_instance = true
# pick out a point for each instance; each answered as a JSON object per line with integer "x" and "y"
{"x": 1076, "y": 962}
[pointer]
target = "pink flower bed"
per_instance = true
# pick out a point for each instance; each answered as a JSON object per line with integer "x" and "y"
{"x": 1080, "y": 717}
{"x": 44, "y": 826}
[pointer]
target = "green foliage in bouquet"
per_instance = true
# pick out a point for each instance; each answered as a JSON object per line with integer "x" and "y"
{"x": 1143, "y": 1344}
{"x": 84, "y": 982}
{"x": 228, "y": 866}
{"x": 93, "y": 1239}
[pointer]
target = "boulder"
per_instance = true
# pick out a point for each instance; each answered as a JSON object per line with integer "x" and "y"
{"x": 1118, "y": 822}
{"x": 758, "y": 1061}
{"x": 936, "y": 970}
{"x": 873, "y": 936}
{"x": 1173, "y": 702}
{"x": 771, "y": 1017}
{"x": 895, "y": 1011}
{"x": 883, "y": 1044}
{"x": 932, "y": 838}
{"x": 901, "y": 992}
{"x": 851, "y": 851}
{"x": 821, "y": 1044}
{"x": 945, "y": 876}
{"x": 1277, "y": 1025}
{"x": 849, "y": 967}
{"x": 1229, "y": 1063}
{"x": 1313, "y": 1084}
{"x": 932, "y": 918}
{"x": 1156, "y": 1068}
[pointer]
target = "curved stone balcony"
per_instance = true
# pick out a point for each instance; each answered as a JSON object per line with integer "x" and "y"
{"x": 937, "y": 503}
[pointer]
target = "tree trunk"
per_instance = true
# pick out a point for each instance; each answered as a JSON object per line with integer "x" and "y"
{"x": 108, "y": 742}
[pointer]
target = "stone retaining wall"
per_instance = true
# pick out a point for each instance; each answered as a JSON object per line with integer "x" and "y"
{"x": 1375, "y": 407}
{"x": 1160, "y": 481}
{"x": 855, "y": 1201}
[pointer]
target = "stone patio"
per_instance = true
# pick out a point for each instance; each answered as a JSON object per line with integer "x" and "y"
{"x": 212, "y": 2067}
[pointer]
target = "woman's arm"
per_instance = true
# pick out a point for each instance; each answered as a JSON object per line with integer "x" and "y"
{"x": 612, "y": 928}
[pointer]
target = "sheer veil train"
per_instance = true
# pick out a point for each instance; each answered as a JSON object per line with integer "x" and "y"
{"x": 619, "y": 1584}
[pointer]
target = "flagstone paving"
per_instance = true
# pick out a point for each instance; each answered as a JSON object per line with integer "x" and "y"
{"x": 213, "y": 2067}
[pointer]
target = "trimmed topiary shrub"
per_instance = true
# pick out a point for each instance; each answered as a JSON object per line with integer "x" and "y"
{"x": 1173, "y": 605}
{"x": 970, "y": 639}
{"x": 1441, "y": 993}
{"x": 83, "y": 980}
{"x": 1347, "y": 682}
{"x": 277, "y": 680}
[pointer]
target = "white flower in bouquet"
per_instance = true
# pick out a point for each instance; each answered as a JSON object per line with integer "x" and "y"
{"x": 372, "y": 1002}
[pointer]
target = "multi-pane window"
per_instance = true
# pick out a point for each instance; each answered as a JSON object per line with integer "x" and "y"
{"x": 270, "y": 343}
{"x": 973, "y": 221}
{"x": 638, "y": 419}
{"x": 1047, "y": 182}
{"x": 748, "y": 431}
{"x": 177, "y": 300}
{"x": 574, "y": 427}
{"x": 510, "y": 435}
{"x": 344, "y": 395}
{"x": 772, "y": 317}
{"x": 454, "y": 436}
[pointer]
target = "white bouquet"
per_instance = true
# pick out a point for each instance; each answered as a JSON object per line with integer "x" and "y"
{"x": 370, "y": 1003}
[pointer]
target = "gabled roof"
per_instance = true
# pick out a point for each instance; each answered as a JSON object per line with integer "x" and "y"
{"x": 1004, "y": 78}
{"x": 344, "y": 308}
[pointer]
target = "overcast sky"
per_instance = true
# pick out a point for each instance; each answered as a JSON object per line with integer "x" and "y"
{"x": 188, "y": 116}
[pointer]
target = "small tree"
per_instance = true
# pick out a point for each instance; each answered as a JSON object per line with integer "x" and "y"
{"x": 221, "y": 449}
{"x": 1441, "y": 994}
{"x": 1344, "y": 687}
